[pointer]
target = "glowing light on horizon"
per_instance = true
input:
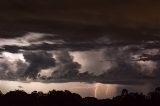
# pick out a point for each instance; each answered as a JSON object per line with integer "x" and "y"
{"x": 95, "y": 91}
{"x": 98, "y": 90}
{"x": 105, "y": 90}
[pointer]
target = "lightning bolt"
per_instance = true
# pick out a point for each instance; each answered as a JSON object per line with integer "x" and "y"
{"x": 96, "y": 89}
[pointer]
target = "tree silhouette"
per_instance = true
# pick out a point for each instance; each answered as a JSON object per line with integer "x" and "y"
{"x": 124, "y": 92}
{"x": 1, "y": 93}
{"x": 61, "y": 98}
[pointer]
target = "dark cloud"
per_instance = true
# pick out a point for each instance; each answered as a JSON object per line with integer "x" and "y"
{"x": 62, "y": 66}
{"x": 65, "y": 67}
{"x": 12, "y": 49}
{"x": 122, "y": 55}
{"x": 38, "y": 61}
{"x": 71, "y": 46}
{"x": 123, "y": 67}
{"x": 82, "y": 20}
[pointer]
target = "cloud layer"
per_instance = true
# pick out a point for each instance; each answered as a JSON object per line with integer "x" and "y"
{"x": 50, "y": 58}
{"x": 86, "y": 40}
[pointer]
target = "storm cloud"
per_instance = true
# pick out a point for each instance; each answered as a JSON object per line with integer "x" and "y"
{"x": 37, "y": 61}
{"x": 50, "y": 58}
{"x": 104, "y": 41}
{"x": 82, "y": 20}
{"x": 65, "y": 66}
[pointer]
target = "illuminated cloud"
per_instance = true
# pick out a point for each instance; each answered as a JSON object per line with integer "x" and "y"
{"x": 13, "y": 66}
{"x": 106, "y": 60}
{"x": 91, "y": 61}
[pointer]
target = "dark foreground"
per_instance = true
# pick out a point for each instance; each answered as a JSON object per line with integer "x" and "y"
{"x": 66, "y": 98}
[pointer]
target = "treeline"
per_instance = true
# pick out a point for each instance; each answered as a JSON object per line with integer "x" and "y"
{"x": 66, "y": 98}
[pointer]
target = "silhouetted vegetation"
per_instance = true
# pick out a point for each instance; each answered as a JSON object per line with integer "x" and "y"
{"x": 62, "y": 98}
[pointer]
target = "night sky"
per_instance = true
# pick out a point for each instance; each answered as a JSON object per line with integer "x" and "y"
{"x": 92, "y": 47}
